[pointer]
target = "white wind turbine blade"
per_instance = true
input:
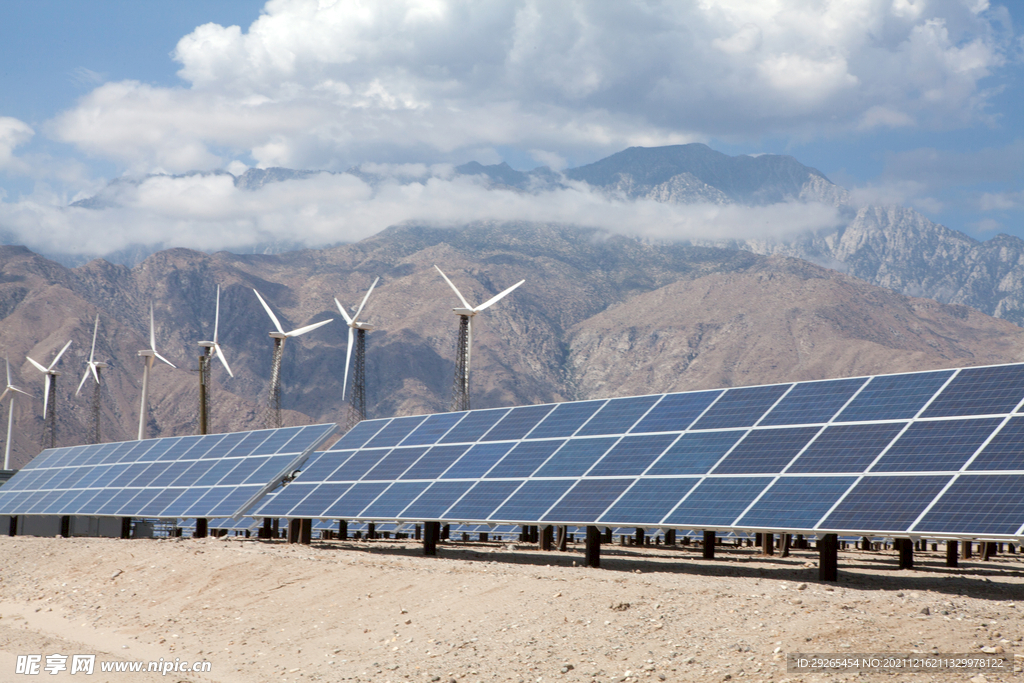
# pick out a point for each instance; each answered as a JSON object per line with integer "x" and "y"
{"x": 57, "y": 359}
{"x": 95, "y": 372}
{"x": 308, "y": 328}
{"x": 164, "y": 359}
{"x": 216, "y": 322}
{"x": 8, "y": 364}
{"x": 4, "y": 395}
{"x": 84, "y": 377}
{"x": 152, "y": 330}
{"x": 348, "y": 360}
{"x": 223, "y": 360}
{"x": 39, "y": 366}
{"x": 95, "y": 329}
{"x": 495, "y": 299}
{"x": 46, "y": 393}
{"x": 456, "y": 289}
{"x": 360, "y": 310}
{"x": 273, "y": 317}
{"x": 344, "y": 313}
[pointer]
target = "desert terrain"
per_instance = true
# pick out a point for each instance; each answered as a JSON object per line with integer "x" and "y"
{"x": 380, "y": 611}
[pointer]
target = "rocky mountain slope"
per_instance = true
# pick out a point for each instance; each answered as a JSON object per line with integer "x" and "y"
{"x": 599, "y": 315}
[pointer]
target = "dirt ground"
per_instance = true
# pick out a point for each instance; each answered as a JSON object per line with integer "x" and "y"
{"x": 380, "y": 611}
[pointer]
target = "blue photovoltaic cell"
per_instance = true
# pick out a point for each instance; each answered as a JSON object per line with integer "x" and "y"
{"x": 987, "y": 504}
{"x": 395, "y": 499}
{"x": 632, "y": 455}
{"x": 268, "y": 471}
{"x": 565, "y": 419}
{"x": 353, "y": 502}
{"x": 480, "y": 501}
{"x": 141, "y": 499}
{"x": 207, "y": 502}
{"x": 531, "y": 500}
{"x": 474, "y": 425}
{"x": 1005, "y": 451}
{"x": 206, "y": 450}
{"x": 248, "y": 443}
{"x": 394, "y": 463}
{"x": 740, "y": 407}
{"x": 675, "y": 412}
{"x": 358, "y": 465}
{"x": 434, "y": 462}
{"x": 524, "y": 459}
{"x": 358, "y": 435}
{"x": 517, "y": 423}
{"x": 618, "y": 416}
{"x": 649, "y": 500}
{"x": 846, "y": 448}
{"x": 477, "y": 460}
{"x": 436, "y": 499}
{"x": 796, "y": 502}
{"x": 576, "y": 457}
{"x": 432, "y": 429}
{"x": 587, "y": 500}
{"x": 275, "y": 441}
{"x": 239, "y": 474}
{"x": 179, "y": 505}
{"x": 397, "y": 429}
{"x": 766, "y": 451}
{"x": 980, "y": 391}
{"x": 322, "y": 465}
{"x": 220, "y": 469}
{"x": 236, "y": 498}
{"x": 160, "y": 502}
{"x": 936, "y": 446}
{"x": 318, "y": 500}
{"x": 302, "y": 441}
{"x": 717, "y": 502}
{"x": 894, "y": 397}
{"x": 885, "y": 503}
{"x": 812, "y": 402}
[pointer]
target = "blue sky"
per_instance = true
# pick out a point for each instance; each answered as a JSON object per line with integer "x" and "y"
{"x": 917, "y": 102}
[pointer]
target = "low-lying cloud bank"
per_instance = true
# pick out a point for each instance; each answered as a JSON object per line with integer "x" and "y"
{"x": 210, "y": 213}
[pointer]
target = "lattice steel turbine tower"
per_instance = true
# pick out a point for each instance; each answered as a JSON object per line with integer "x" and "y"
{"x": 356, "y": 330}
{"x": 204, "y": 370}
{"x": 94, "y": 368}
{"x": 10, "y": 414}
{"x": 151, "y": 356}
{"x": 279, "y": 336}
{"x": 50, "y": 398}
{"x": 464, "y": 345}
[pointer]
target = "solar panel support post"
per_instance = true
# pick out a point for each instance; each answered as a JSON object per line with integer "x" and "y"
{"x": 343, "y": 530}
{"x": 593, "y": 547}
{"x": 431, "y": 531}
{"x": 768, "y": 544}
{"x": 371, "y": 530}
{"x": 987, "y": 550}
{"x": 126, "y": 527}
{"x": 865, "y": 543}
{"x": 828, "y": 557}
{"x": 446, "y": 532}
{"x": 709, "y": 545}
{"x": 201, "y": 530}
{"x": 640, "y": 536}
{"x": 562, "y": 540}
{"x": 306, "y": 531}
{"x": 12, "y": 530}
{"x": 483, "y": 537}
{"x": 65, "y": 526}
{"x": 268, "y": 530}
{"x": 608, "y": 534}
{"x": 965, "y": 550}
{"x": 951, "y": 553}
{"x": 905, "y": 548}
{"x": 786, "y": 540}
{"x": 547, "y": 537}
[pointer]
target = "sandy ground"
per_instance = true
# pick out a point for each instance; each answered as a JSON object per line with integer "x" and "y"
{"x": 380, "y": 611}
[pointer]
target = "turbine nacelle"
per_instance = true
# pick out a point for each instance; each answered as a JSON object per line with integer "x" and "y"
{"x": 468, "y": 312}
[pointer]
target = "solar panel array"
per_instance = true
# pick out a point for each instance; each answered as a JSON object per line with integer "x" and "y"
{"x": 938, "y": 453}
{"x": 216, "y": 475}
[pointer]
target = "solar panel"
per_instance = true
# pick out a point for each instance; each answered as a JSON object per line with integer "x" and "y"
{"x": 200, "y": 476}
{"x": 941, "y": 450}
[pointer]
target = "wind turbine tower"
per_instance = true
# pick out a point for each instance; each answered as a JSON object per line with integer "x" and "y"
{"x": 204, "y": 369}
{"x": 50, "y": 398}
{"x": 464, "y": 346}
{"x": 94, "y": 368}
{"x": 150, "y": 355}
{"x": 279, "y": 336}
{"x": 357, "y": 404}
{"x": 10, "y": 414}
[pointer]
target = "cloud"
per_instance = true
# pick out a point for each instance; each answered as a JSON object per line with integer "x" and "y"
{"x": 208, "y": 212}
{"x": 1001, "y": 201}
{"x": 330, "y": 84}
{"x": 13, "y": 133}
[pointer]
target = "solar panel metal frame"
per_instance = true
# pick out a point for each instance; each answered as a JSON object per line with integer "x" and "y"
{"x": 538, "y": 432}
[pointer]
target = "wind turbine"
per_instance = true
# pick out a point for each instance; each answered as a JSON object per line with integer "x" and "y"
{"x": 204, "y": 369}
{"x": 150, "y": 355}
{"x": 464, "y": 348}
{"x": 94, "y": 367}
{"x": 358, "y": 330}
{"x": 279, "y": 336}
{"x": 50, "y": 396}
{"x": 10, "y": 414}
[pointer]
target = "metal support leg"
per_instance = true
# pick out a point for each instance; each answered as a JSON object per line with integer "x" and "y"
{"x": 709, "y": 545}
{"x": 200, "y": 531}
{"x": 768, "y": 544}
{"x": 593, "y": 547}
{"x": 828, "y": 557}
{"x": 951, "y": 553}
{"x": 65, "y": 526}
{"x": 305, "y": 531}
{"x": 126, "y": 527}
{"x": 547, "y": 537}
{"x": 905, "y": 547}
{"x": 431, "y": 532}
{"x": 639, "y": 535}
